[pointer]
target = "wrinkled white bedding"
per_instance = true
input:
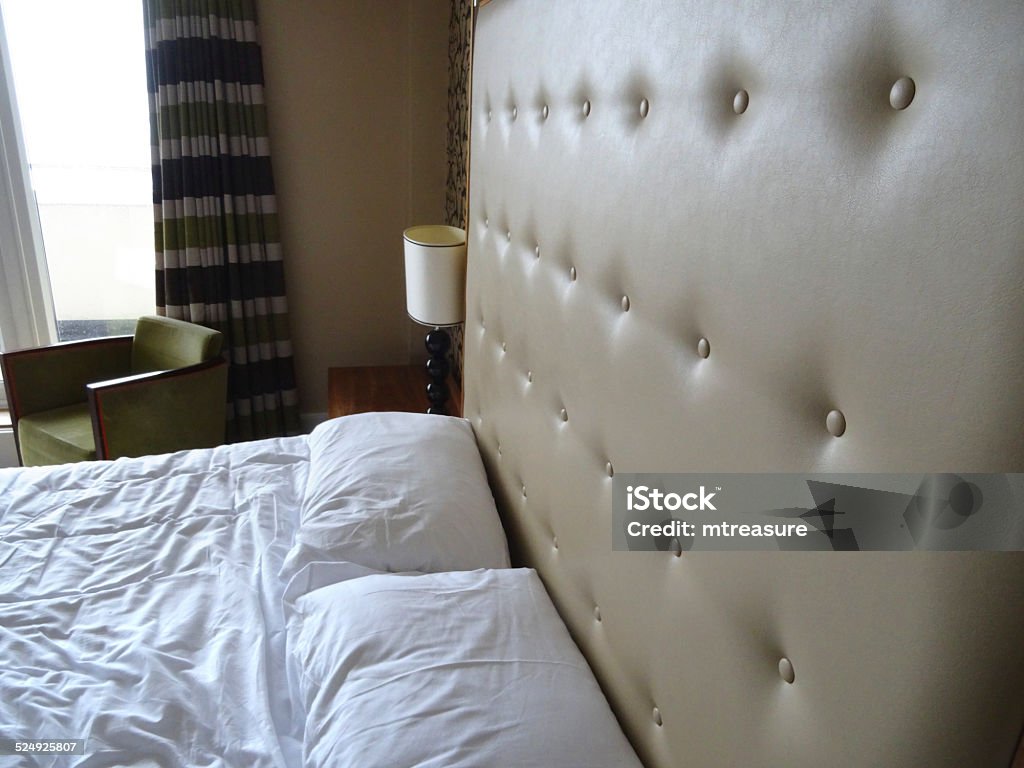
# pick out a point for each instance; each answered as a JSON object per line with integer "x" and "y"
{"x": 153, "y": 585}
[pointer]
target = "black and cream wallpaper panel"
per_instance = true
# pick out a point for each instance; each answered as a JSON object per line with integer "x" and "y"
{"x": 460, "y": 38}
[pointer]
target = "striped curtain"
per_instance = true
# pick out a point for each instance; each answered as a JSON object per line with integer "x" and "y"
{"x": 218, "y": 253}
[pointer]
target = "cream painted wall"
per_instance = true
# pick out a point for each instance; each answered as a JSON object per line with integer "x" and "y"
{"x": 357, "y": 102}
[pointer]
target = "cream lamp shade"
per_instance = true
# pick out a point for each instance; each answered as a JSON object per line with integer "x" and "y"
{"x": 435, "y": 274}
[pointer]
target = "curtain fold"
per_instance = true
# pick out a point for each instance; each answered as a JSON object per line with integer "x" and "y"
{"x": 218, "y": 254}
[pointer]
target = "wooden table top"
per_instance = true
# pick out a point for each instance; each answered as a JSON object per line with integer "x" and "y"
{"x": 362, "y": 389}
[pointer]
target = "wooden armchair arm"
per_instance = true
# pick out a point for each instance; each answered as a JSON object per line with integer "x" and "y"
{"x": 161, "y": 411}
{"x": 42, "y": 378}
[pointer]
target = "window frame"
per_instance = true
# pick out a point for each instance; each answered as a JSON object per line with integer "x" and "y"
{"x": 27, "y": 316}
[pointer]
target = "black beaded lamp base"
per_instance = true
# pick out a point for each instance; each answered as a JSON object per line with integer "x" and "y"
{"x": 438, "y": 343}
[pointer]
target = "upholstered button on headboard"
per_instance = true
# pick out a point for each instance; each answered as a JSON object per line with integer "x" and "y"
{"x": 712, "y": 236}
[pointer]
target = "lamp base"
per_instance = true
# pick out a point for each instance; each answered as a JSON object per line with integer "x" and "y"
{"x": 438, "y": 343}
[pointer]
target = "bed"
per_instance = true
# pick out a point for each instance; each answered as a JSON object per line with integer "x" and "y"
{"x": 703, "y": 237}
{"x": 318, "y": 601}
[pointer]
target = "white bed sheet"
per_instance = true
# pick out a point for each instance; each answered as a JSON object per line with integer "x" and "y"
{"x": 153, "y": 585}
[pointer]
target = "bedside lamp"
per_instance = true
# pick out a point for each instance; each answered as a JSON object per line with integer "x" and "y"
{"x": 435, "y": 295}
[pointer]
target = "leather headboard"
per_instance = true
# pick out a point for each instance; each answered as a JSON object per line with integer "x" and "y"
{"x": 696, "y": 229}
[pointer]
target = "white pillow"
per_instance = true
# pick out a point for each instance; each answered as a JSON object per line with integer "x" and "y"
{"x": 397, "y": 492}
{"x": 446, "y": 670}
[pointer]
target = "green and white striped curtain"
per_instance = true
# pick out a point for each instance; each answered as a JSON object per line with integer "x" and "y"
{"x": 218, "y": 253}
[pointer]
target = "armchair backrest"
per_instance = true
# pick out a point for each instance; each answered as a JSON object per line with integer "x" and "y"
{"x": 162, "y": 344}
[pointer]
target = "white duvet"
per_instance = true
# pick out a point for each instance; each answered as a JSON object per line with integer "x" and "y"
{"x": 152, "y": 586}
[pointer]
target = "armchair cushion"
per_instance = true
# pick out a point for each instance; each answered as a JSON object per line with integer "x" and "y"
{"x": 57, "y": 436}
{"x": 163, "y": 344}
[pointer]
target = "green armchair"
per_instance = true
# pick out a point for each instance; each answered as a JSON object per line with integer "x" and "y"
{"x": 163, "y": 389}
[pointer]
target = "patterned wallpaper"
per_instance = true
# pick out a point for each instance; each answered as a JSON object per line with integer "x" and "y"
{"x": 460, "y": 38}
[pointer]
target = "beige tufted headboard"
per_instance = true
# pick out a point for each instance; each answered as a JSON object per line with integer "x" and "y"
{"x": 696, "y": 228}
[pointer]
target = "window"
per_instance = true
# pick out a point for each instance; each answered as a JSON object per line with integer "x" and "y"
{"x": 76, "y": 221}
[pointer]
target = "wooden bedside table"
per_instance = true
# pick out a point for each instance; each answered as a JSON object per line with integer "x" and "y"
{"x": 383, "y": 388}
